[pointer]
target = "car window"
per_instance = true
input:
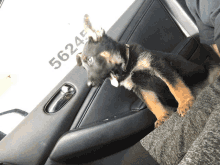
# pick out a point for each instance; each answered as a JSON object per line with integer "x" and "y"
{"x": 38, "y": 44}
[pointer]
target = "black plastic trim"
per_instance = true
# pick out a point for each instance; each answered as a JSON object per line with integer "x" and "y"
{"x": 138, "y": 22}
{"x": 87, "y": 107}
{"x": 120, "y": 26}
{"x": 82, "y": 143}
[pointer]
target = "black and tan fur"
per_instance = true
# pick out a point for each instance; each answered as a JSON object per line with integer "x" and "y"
{"x": 161, "y": 80}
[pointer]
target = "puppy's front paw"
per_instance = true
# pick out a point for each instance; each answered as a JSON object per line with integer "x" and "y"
{"x": 184, "y": 107}
{"x": 160, "y": 121}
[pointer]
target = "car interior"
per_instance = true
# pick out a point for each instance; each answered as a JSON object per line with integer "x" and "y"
{"x": 77, "y": 124}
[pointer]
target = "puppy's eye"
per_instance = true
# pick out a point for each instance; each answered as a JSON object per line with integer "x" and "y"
{"x": 90, "y": 60}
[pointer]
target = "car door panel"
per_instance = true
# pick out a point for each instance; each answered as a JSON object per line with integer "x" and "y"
{"x": 33, "y": 139}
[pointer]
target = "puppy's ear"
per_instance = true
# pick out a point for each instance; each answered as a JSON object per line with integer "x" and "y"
{"x": 96, "y": 35}
{"x": 78, "y": 59}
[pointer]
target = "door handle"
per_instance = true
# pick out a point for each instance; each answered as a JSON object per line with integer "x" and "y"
{"x": 64, "y": 94}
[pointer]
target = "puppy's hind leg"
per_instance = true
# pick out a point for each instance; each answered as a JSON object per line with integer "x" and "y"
{"x": 176, "y": 85}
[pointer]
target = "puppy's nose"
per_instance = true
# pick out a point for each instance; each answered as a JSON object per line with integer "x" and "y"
{"x": 89, "y": 83}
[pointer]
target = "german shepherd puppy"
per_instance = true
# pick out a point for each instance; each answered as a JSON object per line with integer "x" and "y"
{"x": 159, "y": 79}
